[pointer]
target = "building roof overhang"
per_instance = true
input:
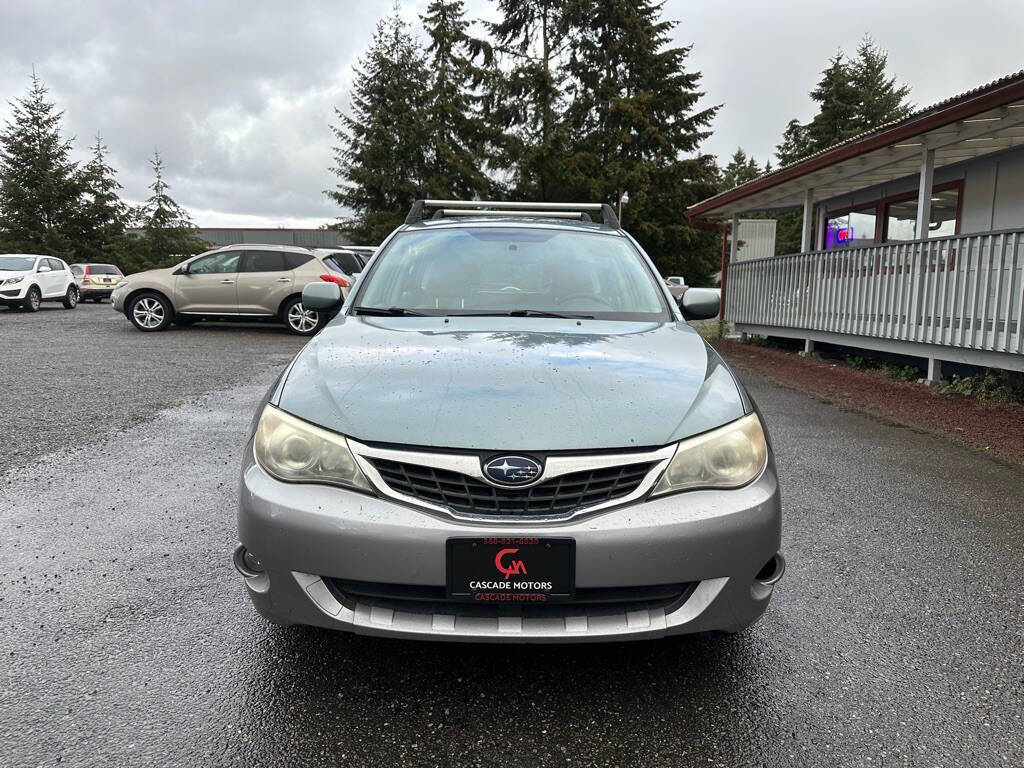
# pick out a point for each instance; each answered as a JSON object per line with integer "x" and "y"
{"x": 981, "y": 121}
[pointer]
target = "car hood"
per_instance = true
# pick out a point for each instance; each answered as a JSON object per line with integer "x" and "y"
{"x": 5, "y": 273}
{"x": 526, "y": 384}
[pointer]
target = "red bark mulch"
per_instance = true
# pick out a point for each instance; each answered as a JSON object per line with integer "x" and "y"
{"x": 993, "y": 429}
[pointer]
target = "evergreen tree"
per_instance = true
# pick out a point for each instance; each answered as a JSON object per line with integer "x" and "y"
{"x": 795, "y": 144}
{"x": 838, "y": 106}
{"x": 740, "y": 170}
{"x": 635, "y": 127}
{"x": 168, "y": 229}
{"x": 102, "y": 216}
{"x": 523, "y": 96}
{"x": 381, "y": 155}
{"x": 454, "y": 159}
{"x": 39, "y": 184}
{"x": 880, "y": 99}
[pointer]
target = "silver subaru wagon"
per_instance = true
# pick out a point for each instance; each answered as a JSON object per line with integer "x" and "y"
{"x": 509, "y": 432}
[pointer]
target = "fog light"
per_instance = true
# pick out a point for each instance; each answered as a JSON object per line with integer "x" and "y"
{"x": 246, "y": 563}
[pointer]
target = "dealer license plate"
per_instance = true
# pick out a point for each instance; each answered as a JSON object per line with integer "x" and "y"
{"x": 511, "y": 569}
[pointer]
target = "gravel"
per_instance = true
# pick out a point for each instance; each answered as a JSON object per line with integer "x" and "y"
{"x": 71, "y": 377}
{"x": 896, "y": 637}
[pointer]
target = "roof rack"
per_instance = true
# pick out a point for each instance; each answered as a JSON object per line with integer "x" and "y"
{"x": 446, "y": 208}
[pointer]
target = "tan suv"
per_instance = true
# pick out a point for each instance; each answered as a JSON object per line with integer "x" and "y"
{"x": 238, "y": 282}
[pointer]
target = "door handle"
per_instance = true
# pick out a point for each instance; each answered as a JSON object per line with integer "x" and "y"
{"x": 227, "y": 282}
{"x": 284, "y": 279}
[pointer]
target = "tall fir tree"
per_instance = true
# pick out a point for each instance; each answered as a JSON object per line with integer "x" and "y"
{"x": 635, "y": 126}
{"x": 168, "y": 228}
{"x": 102, "y": 216}
{"x": 880, "y": 98}
{"x": 39, "y": 183}
{"x": 740, "y": 170}
{"x": 523, "y": 97}
{"x": 455, "y": 167}
{"x": 838, "y": 106}
{"x": 381, "y": 156}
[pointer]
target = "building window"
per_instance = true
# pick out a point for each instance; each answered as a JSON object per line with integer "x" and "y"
{"x": 901, "y": 216}
{"x": 851, "y": 229}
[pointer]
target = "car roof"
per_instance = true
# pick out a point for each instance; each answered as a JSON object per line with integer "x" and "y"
{"x": 264, "y": 247}
{"x": 31, "y": 255}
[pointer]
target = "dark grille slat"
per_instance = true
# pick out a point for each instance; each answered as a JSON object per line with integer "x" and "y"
{"x": 468, "y": 495}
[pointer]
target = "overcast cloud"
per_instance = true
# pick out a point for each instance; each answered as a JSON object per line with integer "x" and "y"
{"x": 238, "y": 96}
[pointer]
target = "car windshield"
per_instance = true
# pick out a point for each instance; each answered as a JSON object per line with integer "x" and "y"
{"x": 17, "y": 263}
{"x": 508, "y": 271}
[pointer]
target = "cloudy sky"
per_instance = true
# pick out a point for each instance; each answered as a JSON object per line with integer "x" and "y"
{"x": 239, "y": 102}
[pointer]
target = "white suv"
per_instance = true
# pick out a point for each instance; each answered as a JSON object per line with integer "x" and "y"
{"x": 27, "y": 280}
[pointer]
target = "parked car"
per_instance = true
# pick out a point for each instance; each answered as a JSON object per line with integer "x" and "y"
{"x": 345, "y": 266}
{"x": 27, "y": 280}
{"x": 543, "y": 449}
{"x": 237, "y": 282}
{"x": 96, "y": 281}
{"x": 677, "y": 286}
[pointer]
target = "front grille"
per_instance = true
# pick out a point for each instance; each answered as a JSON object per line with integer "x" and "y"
{"x": 557, "y": 497}
{"x": 590, "y": 601}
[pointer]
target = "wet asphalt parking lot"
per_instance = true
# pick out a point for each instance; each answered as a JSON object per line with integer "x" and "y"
{"x": 895, "y": 639}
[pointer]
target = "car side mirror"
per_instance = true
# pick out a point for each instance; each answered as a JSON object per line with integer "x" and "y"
{"x": 321, "y": 296}
{"x": 700, "y": 304}
{"x": 182, "y": 270}
{"x": 44, "y": 268}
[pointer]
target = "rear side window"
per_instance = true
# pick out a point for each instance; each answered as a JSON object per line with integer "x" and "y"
{"x": 345, "y": 262}
{"x": 262, "y": 261}
{"x": 76, "y": 269}
{"x": 296, "y": 260}
{"x": 55, "y": 264}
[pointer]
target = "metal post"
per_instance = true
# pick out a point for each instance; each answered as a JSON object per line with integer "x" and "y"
{"x": 734, "y": 243}
{"x": 725, "y": 265}
{"x": 924, "y": 193}
{"x": 805, "y": 239}
{"x": 924, "y": 215}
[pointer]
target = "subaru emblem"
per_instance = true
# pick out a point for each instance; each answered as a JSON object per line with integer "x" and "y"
{"x": 511, "y": 470}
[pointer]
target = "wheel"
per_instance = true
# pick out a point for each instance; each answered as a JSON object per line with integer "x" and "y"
{"x": 32, "y": 299}
{"x": 301, "y": 321}
{"x": 71, "y": 297}
{"x": 150, "y": 312}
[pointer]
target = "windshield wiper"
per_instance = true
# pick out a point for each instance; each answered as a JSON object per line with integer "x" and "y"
{"x": 389, "y": 312}
{"x": 543, "y": 313}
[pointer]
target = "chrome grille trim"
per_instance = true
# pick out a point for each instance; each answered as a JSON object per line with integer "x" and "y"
{"x": 469, "y": 464}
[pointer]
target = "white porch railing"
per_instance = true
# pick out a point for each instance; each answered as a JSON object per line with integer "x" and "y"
{"x": 965, "y": 291}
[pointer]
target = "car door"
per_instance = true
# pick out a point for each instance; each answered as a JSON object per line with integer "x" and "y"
{"x": 264, "y": 281}
{"x": 208, "y": 286}
{"x": 49, "y": 281}
{"x": 62, "y": 277}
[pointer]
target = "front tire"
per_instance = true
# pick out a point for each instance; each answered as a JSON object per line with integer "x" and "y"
{"x": 32, "y": 299}
{"x": 299, "y": 320}
{"x": 150, "y": 312}
{"x": 71, "y": 297}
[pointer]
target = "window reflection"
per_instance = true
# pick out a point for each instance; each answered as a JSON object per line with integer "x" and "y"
{"x": 851, "y": 230}
{"x": 901, "y": 217}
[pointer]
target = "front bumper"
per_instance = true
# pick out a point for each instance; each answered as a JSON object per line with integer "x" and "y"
{"x": 307, "y": 535}
{"x": 14, "y": 293}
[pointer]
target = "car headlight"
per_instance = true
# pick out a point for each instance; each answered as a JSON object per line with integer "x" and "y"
{"x": 727, "y": 457}
{"x": 296, "y": 451}
{"x": 12, "y": 280}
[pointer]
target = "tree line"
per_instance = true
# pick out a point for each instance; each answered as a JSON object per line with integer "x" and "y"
{"x": 558, "y": 100}
{"x": 50, "y": 204}
{"x": 563, "y": 100}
